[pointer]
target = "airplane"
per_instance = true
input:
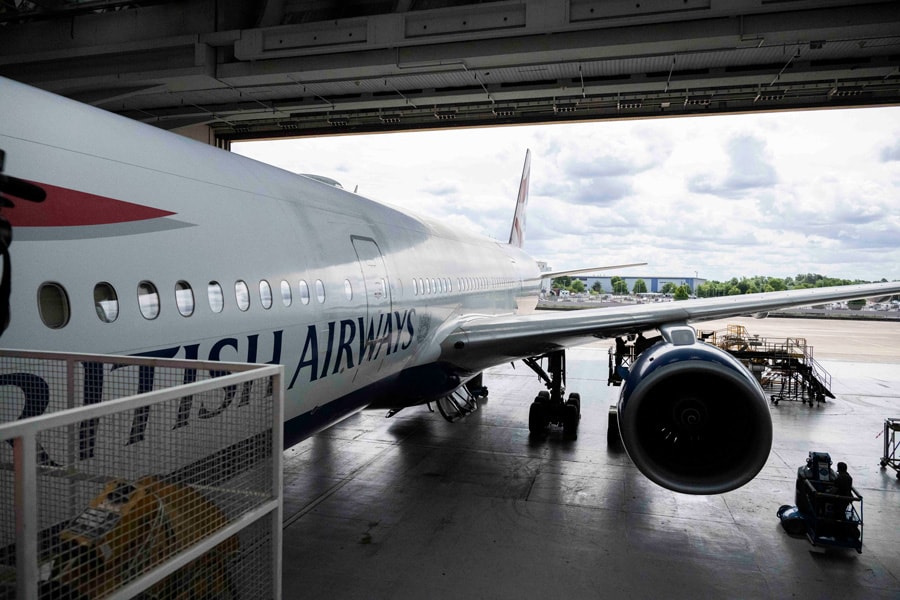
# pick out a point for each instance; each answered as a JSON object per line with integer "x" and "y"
{"x": 152, "y": 244}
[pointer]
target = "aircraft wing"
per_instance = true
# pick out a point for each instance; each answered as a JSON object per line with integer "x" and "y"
{"x": 481, "y": 342}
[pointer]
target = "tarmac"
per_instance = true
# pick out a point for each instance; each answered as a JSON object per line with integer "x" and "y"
{"x": 415, "y": 507}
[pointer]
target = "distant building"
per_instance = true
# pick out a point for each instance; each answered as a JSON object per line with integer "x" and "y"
{"x": 654, "y": 284}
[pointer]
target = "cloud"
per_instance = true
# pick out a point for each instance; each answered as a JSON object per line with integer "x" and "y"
{"x": 441, "y": 188}
{"x": 748, "y": 168}
{"x": 591, "y": 191}
{"x": 891, "y": 153}
{"x": 851, "y": 210}
{"x": 600, "y": 170}
{"x": 771, "y": 194}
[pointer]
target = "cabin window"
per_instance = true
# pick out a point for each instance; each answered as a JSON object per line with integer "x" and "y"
{"x": 53, "y": 305}
{"x": 304, "y": 292}
{"x": 348, "y": 290}
{"x": 148, "y": 300}
{"x": 320, "y": 291}
{"x": 184, "y": 298}
{"x": 415, "y": 287}
{"x": 286, "y": 296}
{"x": 242, "y": 294}
{"x": 106, "y": 302}
{"x": 216, "y": 296}
{"x": 265, "y": 294}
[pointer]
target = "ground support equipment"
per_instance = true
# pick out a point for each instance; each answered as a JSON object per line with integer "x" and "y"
{"x": 891, "y": 445}
{"x": 826, "y": 519}
{"x": 785, "y": 368}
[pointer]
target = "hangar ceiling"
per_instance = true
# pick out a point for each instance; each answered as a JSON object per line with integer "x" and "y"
{"x": 309, "y": 67}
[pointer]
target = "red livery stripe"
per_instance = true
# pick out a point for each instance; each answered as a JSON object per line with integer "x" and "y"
{"x": 71, "y": 208}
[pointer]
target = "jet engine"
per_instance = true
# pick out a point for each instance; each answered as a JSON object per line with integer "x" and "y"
{"x": 692, "y": 417}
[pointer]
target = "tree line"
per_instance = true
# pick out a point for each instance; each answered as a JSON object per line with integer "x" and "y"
{"x": 711, "y": 288}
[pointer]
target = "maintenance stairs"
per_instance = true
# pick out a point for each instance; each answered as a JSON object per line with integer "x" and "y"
{"x": 784, "y": 367}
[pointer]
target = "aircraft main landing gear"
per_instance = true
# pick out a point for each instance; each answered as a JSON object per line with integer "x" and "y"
{"x": 550, "y": 407}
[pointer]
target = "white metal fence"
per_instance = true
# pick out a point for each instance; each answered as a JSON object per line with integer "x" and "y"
{"x": 125, "y": 475}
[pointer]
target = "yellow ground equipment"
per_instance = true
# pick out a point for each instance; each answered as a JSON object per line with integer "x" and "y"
{"x": 132, "y": 527}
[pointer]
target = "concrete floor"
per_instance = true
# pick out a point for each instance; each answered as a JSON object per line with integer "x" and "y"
{"x": 414, "y": 507}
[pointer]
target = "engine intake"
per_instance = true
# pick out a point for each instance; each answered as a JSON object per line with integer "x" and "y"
{"x": 693, "y": 419}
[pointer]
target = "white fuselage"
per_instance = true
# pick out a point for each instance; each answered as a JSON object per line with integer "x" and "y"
{"x": 392, "y": 281}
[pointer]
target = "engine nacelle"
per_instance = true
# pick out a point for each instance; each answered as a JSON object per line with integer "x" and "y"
{"x": 693, "y": 419}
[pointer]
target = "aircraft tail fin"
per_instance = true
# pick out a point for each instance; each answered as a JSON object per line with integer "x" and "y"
{"x": 517, "y": 233}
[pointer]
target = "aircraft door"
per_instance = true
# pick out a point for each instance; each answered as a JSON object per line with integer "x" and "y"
{"x": 379, "y": 327}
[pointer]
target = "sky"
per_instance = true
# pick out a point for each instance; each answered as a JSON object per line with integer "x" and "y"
{"x": 716, "y": 197}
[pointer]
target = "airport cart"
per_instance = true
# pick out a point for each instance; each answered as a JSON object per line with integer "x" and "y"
{"x": 891, "y": 445}
{"x": 826, "y": 518}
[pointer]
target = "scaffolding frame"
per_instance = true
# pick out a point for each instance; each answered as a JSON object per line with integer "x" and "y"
{"x": 891, "y": 445}
{"x": 784, "y": 367}
{"x": 256, "y": 478}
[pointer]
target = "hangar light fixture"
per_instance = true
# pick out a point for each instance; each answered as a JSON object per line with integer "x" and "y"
{"x": 773, "y": 97}
{"x": 844, "y": 92}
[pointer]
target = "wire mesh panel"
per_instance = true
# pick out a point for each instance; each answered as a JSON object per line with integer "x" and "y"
{"x": 129, "y": 491}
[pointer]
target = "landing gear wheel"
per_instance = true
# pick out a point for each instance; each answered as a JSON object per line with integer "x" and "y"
{"x": 571, "y": 416}
{"x": 613, "y": 437}
{"x": 570, "y": 421}
{"x": 537, "y": 418}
